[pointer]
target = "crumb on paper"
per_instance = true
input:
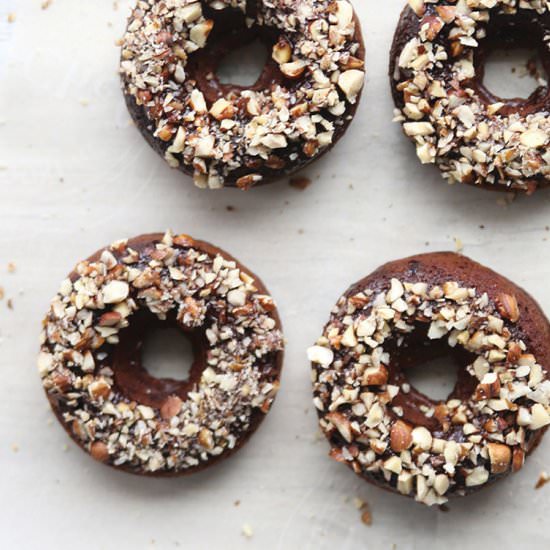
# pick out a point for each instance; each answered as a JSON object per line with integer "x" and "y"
{"x": 1, "y": 293}
{"x": 506, "y": 200}
{"x": 358, "y": 503}
{"x": 459, "y": 245}
{"x": 9, "y": 303}
{"x": 363, "y": 507}
{"x": 84, "y": 102}
{"x": 366, "y": 518}
{"x": 543, "y": 479}
{"x": 15, "y": 448}
{"x": 11, "y": 267}
{"x": 119, "y": 42}
{"x": 11, "y": 17}
{"x": 237, "y": 503}
{"x": 230, "y": 208}
{"x": 247, "y": 531}
{"x": 46, "y": 4}
{"x": 300, "y": 183}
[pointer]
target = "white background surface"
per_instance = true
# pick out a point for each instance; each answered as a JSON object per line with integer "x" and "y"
{"x": 74, "y": 178}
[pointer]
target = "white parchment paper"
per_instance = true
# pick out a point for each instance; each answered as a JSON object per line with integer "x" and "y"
{"x": 75, "y": 175}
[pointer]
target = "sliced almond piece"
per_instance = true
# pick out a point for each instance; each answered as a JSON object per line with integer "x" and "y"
{"x": 222, "y": 109}
{"x": 342, "y": 424}
{"x": 351, "y": 83}
{"x": 115, "y": 291}
{"x": 198, "y": 102}
{"x": 321, "y": 355}
{"x": 534, "y": 138}
{"x": 199, "y": 33}
{"x": 294, "y": 69}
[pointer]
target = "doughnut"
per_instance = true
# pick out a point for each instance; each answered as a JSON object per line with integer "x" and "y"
{"x": 436, "y": 72}
{"x": 90, "y": 358}
{"x": 237, "y": 136}
{"x": 408, "y": 312}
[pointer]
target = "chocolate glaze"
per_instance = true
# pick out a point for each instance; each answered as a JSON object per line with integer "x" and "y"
{"x": 134, "y": 382}
{"x": 525, "y": 29}
{"x": 230, "y": 33}
{"x": 132, "y": 378}
{"x": 435, "y": 268}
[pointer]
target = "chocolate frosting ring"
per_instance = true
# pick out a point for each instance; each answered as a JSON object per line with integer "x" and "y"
{"x": 90, "y": 358}
{"x": 229, "y": 135}
{"x": 402, "y": 314}
{"x": 436, "y": 70}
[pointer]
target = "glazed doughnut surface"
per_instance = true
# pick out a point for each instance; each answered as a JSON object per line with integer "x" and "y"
{"x": 233, "y": 135}
{"x": 411, "y": 310}
{"x": 436, "y": 76}
{"x": 90, "y": 356}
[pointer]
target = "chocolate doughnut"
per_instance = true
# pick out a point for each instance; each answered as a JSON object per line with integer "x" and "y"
{"x": 90, "y": 358}
{"x": 403, "y": 314}
{"x": 230, "y": 135}
{"x": 436, "y": 72}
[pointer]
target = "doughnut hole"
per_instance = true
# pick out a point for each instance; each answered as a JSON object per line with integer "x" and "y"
{"x": 157, "y": 359}
{"x": 167, "y": 353}
{"x": 513, "y": 73}
{"x": 435, "y": 378}
{"x": 512, "y": 64}
{"x": 236, "y": 58}
{"x": 434, "y": 371}
{"x": 243, "y": 66}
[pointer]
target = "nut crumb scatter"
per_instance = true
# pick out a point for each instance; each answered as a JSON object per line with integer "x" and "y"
{"x": 247, "y": 531}
{"x": 11, "y": 17}
{"x": 300, "y": 183}
{"x": 202, "y": 289}
{"x": 11, "y": 267}
{"x": 46, "y": 4}
{"x": 443, "y": 109}
{"x": 482, "y": 436}
{"x": 459, "y": 245}
{"x": 246, "y": 136}
{"x": 363, "y": 507}
{"x": 366, "y": 516}
{"x": 543, "y": 479}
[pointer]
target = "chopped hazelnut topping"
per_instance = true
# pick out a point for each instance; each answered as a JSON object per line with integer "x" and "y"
{"x": 205, "y": 291}
{"x": 353, "y": 394}
{"x": 280, "y": 127}
{"x": 445, "y": 116}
